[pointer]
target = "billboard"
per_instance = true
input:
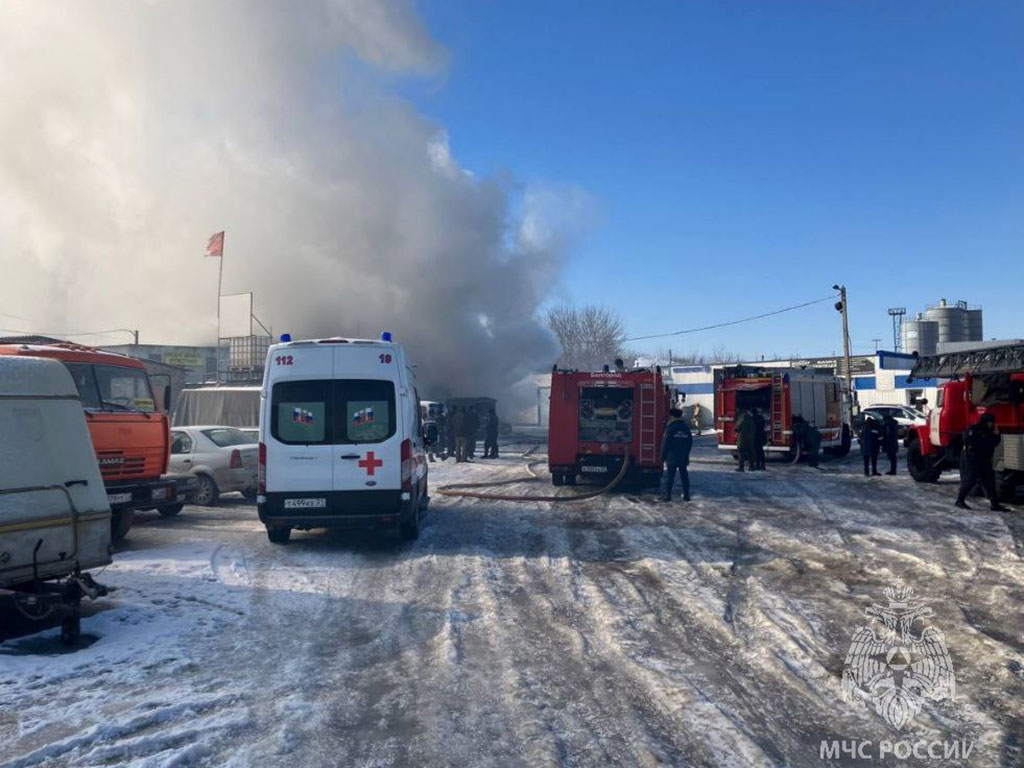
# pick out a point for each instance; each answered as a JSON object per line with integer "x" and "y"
{"x": 235, "y": 315}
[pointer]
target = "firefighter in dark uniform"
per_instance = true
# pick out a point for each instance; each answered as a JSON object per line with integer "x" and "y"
{"x": 980, "y": 442}
{"x": 891, "y": 441}
{"x": 675, "y": 455}
{"x": 491, "y": 435}
{"x": 807, "y": 437}
{"x": 759, "y": 440}
{"x": 745, "y": 437}
{"x": 870, "y": 445}
{"x": 472, "y": 426}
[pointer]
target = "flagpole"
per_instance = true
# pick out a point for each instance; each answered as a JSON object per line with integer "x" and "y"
{"x": 220, "y": 280}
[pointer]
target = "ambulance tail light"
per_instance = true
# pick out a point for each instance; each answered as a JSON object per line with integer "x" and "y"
{"x": 261, "y": 475}
{"x": 407, "y": 465}
{"x": 236, "y": 459}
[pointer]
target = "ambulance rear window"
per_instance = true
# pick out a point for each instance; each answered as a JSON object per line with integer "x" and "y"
{"x": 333, "y": 412}
{"x": 299, "y": 412}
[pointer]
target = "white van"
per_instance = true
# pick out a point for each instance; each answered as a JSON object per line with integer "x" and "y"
{"x": 341, "y": 439}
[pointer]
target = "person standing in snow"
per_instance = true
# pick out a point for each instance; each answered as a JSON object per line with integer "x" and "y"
{"x": 870, "y": 445}
{"x": 675, "y": 455}
{"x": 491, "y": 435}
{"x": 760, "y": 439}
{"x": 458, "y": 426}
{"x": 472, "y": 427}
{"x": 980, "y": 443}
{"x": 891, "y": 441}
{"x": 745, "y": 436}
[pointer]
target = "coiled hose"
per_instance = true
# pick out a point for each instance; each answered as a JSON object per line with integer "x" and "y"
{"x": 464, "y": 489}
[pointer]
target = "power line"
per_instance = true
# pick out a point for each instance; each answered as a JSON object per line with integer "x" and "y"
{"x": 67, "y": 335}
{"x": 733, "y": 322}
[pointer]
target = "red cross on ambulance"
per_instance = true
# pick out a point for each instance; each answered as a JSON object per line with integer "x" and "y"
{"x": 370, "y": 463}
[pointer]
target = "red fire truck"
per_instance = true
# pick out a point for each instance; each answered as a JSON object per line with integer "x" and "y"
{"x": 780, "y": 394}
{"x": 986, "y": 380}
{"x": 598, "y": 420}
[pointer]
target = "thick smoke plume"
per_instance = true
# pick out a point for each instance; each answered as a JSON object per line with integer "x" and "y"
{"x": 132, "y": 130}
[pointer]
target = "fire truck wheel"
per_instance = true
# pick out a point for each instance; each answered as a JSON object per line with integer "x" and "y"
{"x": 557, "y": 479}
{"x": 843, "y": 449}
{"x": 121, "y": 523}
{"x": 921, "y": 468}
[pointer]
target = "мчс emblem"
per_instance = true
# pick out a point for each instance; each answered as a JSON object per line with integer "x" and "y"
{"x": 902, "y": 664}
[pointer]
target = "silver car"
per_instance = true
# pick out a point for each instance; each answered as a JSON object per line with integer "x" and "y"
{"x": 224, "y": 459}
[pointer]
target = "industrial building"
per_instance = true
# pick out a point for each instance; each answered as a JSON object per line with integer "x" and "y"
{"x": 940, "y": 326}
{"x": 239, "y": 360}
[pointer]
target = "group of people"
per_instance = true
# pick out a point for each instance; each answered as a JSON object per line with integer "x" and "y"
{"x": 751, "y": 440}
{"x": 457, "y": 430}
{"x": 875, "y": 436}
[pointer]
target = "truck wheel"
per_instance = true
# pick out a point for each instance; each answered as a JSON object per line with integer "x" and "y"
{"x": 207, "y": 494}
{"x": 558, "y": 479}
{"x": 921, "y": 468}
{"x": 170, "y": 510}
{"x": 279, "y": 534}
{"x": 70, "y": 629}
{"x": 121, "y": 523}
{"x": 409, "y": 530}
{"x": 843, "y": 449}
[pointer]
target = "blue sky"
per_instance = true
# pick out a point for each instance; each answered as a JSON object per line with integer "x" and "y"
{"x": 743, "y": 156}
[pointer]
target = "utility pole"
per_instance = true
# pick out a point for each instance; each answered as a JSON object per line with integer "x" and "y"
{"x": 877, "y": 342}
{"x": 843, "y": 307}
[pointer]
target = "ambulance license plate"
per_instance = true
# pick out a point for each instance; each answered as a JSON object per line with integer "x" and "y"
{"x": 593, "y": 469}
{"x": 305, "y": 503}
{"x": 118, "y": 498}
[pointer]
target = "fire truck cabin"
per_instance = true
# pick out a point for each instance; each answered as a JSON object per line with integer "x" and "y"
{"x": 597, "y": 419}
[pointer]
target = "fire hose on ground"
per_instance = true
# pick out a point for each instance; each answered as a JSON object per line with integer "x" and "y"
{"x": 465, "y": 489}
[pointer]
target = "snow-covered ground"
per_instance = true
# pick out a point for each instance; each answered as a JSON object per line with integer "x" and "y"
{"x": 618, "y": 631}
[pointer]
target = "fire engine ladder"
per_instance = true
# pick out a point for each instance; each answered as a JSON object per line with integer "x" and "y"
{"x": 778, "y": 410}
{"x": 1007, "y": 358}
{"x": 648, "y": 424}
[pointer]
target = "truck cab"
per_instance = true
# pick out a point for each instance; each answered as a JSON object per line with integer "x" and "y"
{"x": 987, "y": 380}
{"x": 129, "y": 430}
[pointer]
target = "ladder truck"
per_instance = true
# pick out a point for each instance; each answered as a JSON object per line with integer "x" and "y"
{"x": 982, "y": 380}
{"x": 599, "y": 419}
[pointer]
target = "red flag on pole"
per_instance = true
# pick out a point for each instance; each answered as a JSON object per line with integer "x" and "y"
{"x": 215, "y": 247}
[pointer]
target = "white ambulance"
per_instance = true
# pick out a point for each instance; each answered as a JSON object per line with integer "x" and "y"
{"x": 341, "y": 438}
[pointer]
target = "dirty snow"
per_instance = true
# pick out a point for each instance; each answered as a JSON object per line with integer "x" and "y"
{"x": 618, "y": 631}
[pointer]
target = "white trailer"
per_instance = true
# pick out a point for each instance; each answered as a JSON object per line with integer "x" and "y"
{"x": 54, "y": 516}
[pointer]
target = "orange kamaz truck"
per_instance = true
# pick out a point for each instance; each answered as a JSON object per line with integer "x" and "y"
{"x": 129, "y": 428}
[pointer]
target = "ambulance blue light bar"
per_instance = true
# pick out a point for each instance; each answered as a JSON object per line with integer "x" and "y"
{"x": 286, "y": 337}
{"x": 385, "y": 336}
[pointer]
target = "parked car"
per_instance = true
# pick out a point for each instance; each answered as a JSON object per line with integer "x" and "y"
{"x": 906, "y": 417}
{"x": 223, "y": 459}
